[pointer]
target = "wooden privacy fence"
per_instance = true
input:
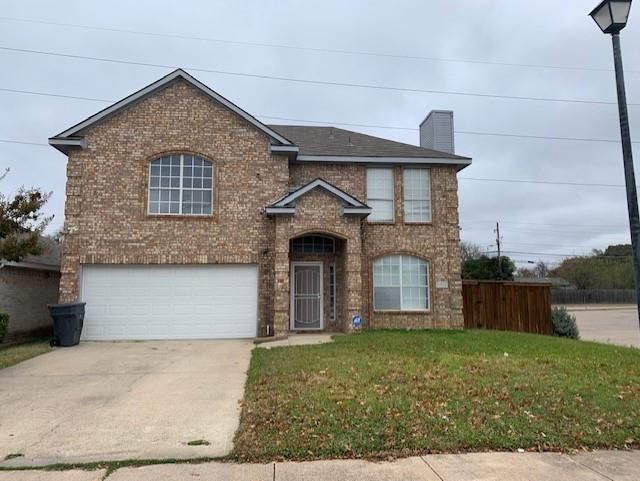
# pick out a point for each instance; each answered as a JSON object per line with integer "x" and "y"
{"x": 507, "y": 306}
{"x": 593, "y": 296}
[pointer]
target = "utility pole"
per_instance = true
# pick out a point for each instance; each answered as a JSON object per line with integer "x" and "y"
{"x": 497, "y": 231}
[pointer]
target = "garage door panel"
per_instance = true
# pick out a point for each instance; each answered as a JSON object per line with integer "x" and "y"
{"x": 169, "y": 302}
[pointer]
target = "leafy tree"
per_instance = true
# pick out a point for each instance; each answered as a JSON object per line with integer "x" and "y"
{"x": 488, "y": 268}
{"x": 22, "y": 223}
{"x": 608, "y": 269}
{"x": 622, "y": 250}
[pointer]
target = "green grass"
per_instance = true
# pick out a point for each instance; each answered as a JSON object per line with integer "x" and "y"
{"x": 21, "y": 352}
{"x": 399, "y": 393}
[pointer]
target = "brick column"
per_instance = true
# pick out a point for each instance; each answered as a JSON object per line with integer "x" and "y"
{"x": 69, "y": 279}
{"x": 281, "y": 299}
{"x": 353, "y": 282}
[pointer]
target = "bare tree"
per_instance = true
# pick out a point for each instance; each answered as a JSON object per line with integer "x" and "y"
{"x": 470, "y": 251}
{"x": 523, "y": 272}
{"x": 541, "y": 270}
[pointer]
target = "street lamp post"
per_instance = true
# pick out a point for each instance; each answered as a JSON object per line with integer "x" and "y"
{"x": 611, "y": 16}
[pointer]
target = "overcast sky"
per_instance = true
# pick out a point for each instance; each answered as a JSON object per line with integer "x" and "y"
{"x": 535, "y": 218}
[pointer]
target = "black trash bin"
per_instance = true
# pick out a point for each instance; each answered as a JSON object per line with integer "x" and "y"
{"x": 67, "y": 323}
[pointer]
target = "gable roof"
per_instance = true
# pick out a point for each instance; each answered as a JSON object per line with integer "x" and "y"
{"x": 73, "y": 135}
{"x": 286, "y": 204}
{"x": 300, "y": 143}
{"x": 335, "y": 143}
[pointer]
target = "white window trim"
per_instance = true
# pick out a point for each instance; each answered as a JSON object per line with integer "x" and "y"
{"x": 404, "y": 198}
{"x": 180, "y": 214}
{"x": 393, "y": 197}
{"x": 428, "y": 287}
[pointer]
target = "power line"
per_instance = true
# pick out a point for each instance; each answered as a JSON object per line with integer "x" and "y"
{"x": 567, "y": 255}
{"x": 310, "y": 49}
{"x": 325, "y": 122}
{"x": 47, "y": 94}
{"x": 571, "y": 234}
{"x": 463, "y": 132}
{"x": 8, "y": 141}
{"x": 537, "y": 244}
{"x": 587, "y": 231}
{"x": 547, "y": 224}
{"x": 541, "y": 137}
{"x": 519, "y": 181}
{"x": 553, "y": 232}
{"x": 548, "y": 182}
{"x": 316, "y": 82}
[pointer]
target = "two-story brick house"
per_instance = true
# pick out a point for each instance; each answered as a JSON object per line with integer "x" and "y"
{"x": 186, "y": 217}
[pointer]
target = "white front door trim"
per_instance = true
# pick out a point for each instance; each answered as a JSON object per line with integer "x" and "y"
{"x": 292, "y": 295}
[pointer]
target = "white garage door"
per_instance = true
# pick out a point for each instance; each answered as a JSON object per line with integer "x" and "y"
{"x": 169, "y": 302}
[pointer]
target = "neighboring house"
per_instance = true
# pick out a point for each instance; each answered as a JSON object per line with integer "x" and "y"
{"x": 26, "y": 288}
{"x": 188, "y": 218}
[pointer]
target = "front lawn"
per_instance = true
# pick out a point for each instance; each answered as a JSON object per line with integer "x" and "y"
{"x": 21, "y": 352}
{"x": 398, "y": 393}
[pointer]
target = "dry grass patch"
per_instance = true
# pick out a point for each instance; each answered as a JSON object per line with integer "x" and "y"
{"x": 21, "y": 352}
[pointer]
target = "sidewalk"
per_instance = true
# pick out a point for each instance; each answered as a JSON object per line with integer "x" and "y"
{"x": 594, "y": 466}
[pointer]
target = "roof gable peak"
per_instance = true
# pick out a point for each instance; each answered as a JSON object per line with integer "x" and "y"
{"x": 286, "y": 204}
{"x": 72, "y": 137}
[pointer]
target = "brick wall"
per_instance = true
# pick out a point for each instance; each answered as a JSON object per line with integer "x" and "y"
{"x": 24, "y": 295}
{"x": 320, "y": 212}
{"x": 106, "y": 219}
{"x": 437, "y": 242}
{"x": 106, "y": 208}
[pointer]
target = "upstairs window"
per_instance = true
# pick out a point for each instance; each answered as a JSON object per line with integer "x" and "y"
{"x": 380, "y": 194}
{"x": 417, "y": 195}
{"x": 180, "y": 184}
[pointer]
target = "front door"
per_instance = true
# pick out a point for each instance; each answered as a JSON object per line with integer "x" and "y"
{"x": 306, "y": 295}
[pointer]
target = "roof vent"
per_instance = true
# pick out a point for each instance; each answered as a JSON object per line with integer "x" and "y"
{"x": 331, "y": 134}
{"x": 436, "y": 131}
{"x": 350, "y": 144}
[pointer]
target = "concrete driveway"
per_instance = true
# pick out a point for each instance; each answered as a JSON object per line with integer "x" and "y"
{"x": 615, "y": 324}
{"x": 106, "y": 401}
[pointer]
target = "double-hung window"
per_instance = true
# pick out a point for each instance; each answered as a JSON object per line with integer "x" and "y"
{"x": 380, "y": 194}
{"x": 400, "y": 283}
{"x": 180, "y": 184}
{"x": 417, "y": 195}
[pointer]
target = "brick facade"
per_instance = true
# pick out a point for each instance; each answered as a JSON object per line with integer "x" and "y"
{"x": 106, "y": 218}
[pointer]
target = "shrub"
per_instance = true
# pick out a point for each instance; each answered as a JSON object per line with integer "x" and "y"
{"x": 564, "y": 324}
{"x": 4, "y": 324}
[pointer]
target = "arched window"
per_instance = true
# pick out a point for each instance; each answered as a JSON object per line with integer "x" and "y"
{"x": 180, "y": 184}
{"x": 400, "y": 283}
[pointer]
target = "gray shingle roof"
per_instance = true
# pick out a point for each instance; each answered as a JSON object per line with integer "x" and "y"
{"x": 339, "y": 142}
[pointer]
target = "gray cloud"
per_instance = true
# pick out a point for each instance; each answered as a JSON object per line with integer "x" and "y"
{"x": 536, "y": 218}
